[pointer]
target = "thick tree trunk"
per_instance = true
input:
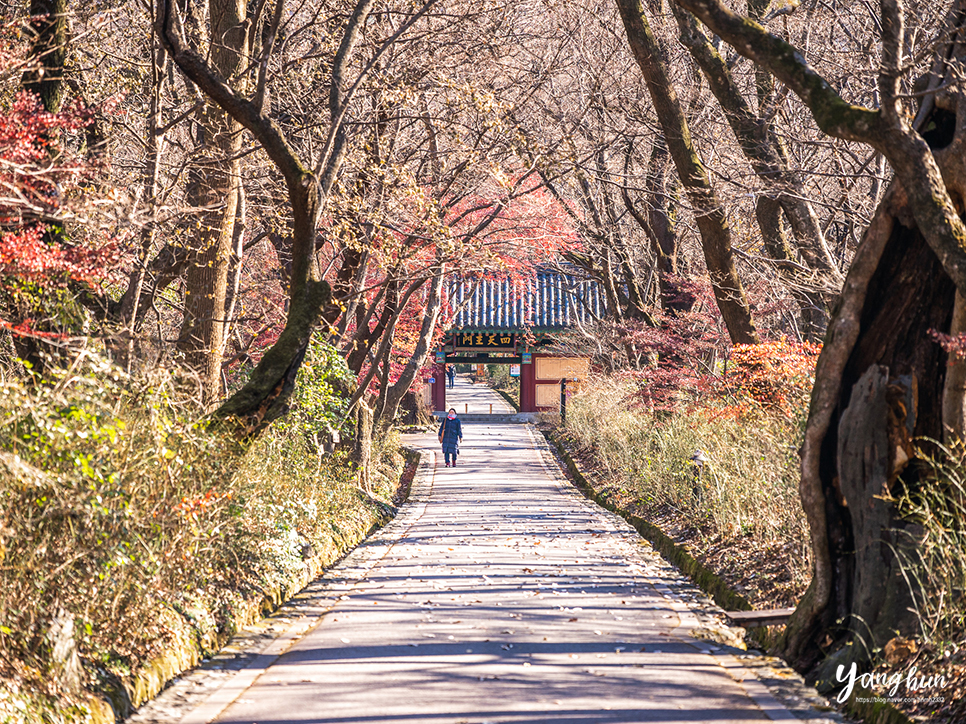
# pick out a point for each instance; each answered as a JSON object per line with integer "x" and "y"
{"x": 346, "y": 285}
{"x": 709, "y": 213}
{"x": 202, "y": 336}
{"x": 879, "y": 385}
{"x": 215, "y": 177}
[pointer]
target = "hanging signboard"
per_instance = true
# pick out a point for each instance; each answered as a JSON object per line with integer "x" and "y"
{"x": 514, "y": 370}
{"x": 484, "y": 341}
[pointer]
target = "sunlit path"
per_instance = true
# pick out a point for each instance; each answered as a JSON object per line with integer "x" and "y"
{"x": 498, "y": 595}
{"x": 475, "y": 398}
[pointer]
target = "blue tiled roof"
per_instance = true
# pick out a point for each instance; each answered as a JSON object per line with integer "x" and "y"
{"x": 547, "y": 301}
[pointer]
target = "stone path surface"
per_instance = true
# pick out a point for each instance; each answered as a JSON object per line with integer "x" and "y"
{"x": 475, "y": 398}
{"x": 498, "y": 594}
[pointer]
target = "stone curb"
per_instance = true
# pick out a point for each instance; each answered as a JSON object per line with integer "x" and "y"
{"x": 509, "y": 399}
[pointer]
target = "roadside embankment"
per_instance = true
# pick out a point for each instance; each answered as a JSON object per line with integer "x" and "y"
{"x": 712, "y": 485}
{"x": 137, "y": 539}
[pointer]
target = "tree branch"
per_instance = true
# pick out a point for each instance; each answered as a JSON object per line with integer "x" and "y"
{"x": 887, "y": 130}
{"x": 833, "y": 114}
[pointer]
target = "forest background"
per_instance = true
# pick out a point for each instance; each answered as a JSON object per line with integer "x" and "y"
{"x": 226, "y": 233}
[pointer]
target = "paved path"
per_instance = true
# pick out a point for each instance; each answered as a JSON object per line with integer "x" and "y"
{"x": 497, "y": 595}
{"x": 475, "y": 397}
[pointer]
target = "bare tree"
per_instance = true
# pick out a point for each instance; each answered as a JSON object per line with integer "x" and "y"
{"x": 709, "y": 213}
{"x": 880, "y": 382}
{"x": 265, "y": 396}
{"x": 784, "y": 194}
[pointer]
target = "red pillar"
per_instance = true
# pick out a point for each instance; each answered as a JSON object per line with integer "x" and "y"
{"x": 439, "y": 388}
{"x": 528, "y": 387}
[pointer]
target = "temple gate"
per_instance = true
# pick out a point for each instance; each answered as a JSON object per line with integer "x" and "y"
{"x": 518, "y": 322}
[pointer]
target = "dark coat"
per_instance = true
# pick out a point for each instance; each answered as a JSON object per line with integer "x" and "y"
{"x": 452, "y": 432}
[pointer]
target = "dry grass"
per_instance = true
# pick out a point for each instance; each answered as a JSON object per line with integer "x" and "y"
{"x": 939, "y": 566}
{"x": 746, "y": 484}
{"x": 120, "y": 508}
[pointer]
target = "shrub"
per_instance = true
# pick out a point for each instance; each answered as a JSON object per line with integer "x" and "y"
{"x": 718, "y": 446}
{"x": 122, "y": 508}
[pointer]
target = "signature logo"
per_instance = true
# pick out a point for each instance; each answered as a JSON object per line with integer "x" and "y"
{"x": 909, "y": 682}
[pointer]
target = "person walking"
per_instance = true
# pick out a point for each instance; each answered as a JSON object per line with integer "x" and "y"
{"x": 451, "y": 373}
{"x": 451, "y": 435}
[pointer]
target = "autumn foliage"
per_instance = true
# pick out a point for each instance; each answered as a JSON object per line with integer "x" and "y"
{"x": 690, "y": 364}
{"x": 44, "y": 187}
{"x": 775, "y": 374}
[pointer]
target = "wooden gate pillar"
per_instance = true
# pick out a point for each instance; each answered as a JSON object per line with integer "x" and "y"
{"x": 439, "y": 388}
{"x": 528, "y": 387}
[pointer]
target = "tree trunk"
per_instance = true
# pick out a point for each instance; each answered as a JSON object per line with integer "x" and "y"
{"x": 879, "y": 385}
{"x": 811, "y": 305}
{"x": 48, "y": 52}
{"x": 215, "y": 177}
{"x": 389, "y": 402}
{"x": 364, "y": 337}
{"x": 785, "y": 191}
{"x": 362, "y": 447}
{"x": 237, "y": 262}
{"x": 659, "y": 206}
{"x": 656, "y": 222}
{"x": 708, "y": 211}
{"x": 134, "y": 302}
